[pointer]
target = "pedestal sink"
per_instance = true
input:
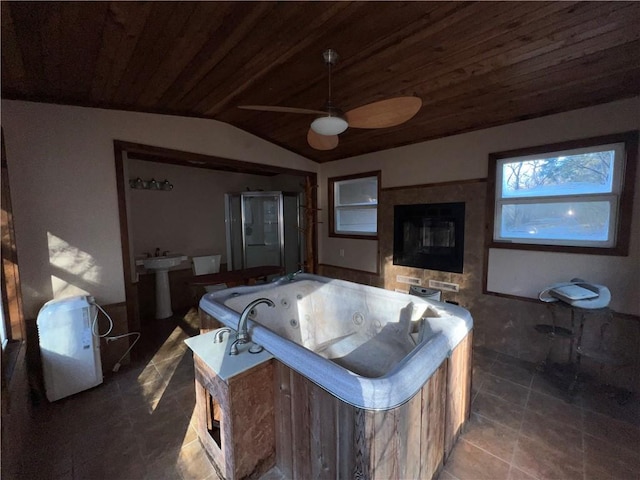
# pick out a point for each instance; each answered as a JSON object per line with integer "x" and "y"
{"x": 161, "y": 266}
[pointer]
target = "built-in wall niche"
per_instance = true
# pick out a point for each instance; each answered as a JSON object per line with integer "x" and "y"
{"x": 429, "y": 236}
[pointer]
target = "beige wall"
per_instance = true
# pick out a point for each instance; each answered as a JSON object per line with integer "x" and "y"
{"x": 63, "y": 184}
{"x": 465, "y": 156}
{"x": 62, "y": 177}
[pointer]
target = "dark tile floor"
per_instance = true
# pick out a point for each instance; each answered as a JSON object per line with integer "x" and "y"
{"x": 139, "y": 425}
{"x": 524, "y": 427}
{"x": 136, "y": 425}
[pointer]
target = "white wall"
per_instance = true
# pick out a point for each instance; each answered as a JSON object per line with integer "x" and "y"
{"x": 465, "y": 156}
{"x": 63, "y": 186}
{"x": 189, "y": 219}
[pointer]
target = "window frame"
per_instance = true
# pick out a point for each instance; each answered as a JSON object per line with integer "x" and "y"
{"x": 332, "y": 207}
{"x": 624, "y": 208}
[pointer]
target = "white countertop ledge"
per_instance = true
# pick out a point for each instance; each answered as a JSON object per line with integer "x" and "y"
{"x": 216, "y": 355}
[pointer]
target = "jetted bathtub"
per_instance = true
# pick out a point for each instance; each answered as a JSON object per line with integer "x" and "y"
{"x": 370, "y": 347}
{"x": 367, "y": 383}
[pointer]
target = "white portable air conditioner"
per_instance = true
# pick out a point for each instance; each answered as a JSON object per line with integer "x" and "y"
{"x": 70, "y": 352}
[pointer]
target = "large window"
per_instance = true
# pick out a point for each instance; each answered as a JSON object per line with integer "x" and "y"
{"x": 571, "y": 195}
{"x": 353, "y": 205}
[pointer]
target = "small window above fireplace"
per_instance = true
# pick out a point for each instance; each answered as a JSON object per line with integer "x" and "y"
{"x": 429, "y": 236}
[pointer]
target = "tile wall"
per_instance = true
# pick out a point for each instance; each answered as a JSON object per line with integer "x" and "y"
{"x": 502, "y": 324}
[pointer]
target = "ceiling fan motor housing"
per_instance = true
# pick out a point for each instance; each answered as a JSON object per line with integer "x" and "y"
{"x": 330, "y": 56}
{"x": 332, "y": 110}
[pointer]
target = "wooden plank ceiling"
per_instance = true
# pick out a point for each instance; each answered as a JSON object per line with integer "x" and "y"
{"x": 474, "y": 65}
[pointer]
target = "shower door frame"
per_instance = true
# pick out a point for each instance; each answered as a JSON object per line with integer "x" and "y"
{"x": 281, "y": 225}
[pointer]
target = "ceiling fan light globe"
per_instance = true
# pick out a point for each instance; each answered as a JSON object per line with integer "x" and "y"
{"x": 329, "y": 125}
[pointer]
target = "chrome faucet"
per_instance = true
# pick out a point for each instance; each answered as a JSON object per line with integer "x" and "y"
{"x": 243, "y": 335}
{"x": 293, "y": 275}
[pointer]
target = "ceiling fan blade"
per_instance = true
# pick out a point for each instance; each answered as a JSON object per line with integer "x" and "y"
{"x": 385, "y": 113}
{"x": 268, "y": 108}
{"x": 322, "y": 142}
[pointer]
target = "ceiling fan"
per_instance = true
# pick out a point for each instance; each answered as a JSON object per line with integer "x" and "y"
{"x": 331, "y": 121}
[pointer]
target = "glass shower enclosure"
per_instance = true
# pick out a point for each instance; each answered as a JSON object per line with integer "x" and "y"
{"x": 263, "y": 228}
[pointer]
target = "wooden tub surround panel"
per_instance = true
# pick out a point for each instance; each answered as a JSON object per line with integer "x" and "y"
{"x": 244, "y": 409}
{"x": 313, "y": 429}
{"x": 271, "y": 415}
{"x": 320, "y": 436}
{"x": 458, "y": 396}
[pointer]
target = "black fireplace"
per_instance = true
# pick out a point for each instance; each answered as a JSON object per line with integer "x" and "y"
{"x": 429, "y": 236}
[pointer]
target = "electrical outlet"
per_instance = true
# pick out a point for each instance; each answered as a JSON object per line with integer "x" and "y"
{"x": 342, "y": 252}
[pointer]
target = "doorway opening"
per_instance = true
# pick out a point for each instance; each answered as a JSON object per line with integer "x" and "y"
{"x": 126, "y": 153}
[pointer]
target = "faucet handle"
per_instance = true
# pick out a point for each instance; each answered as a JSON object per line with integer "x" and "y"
{"x": 234, "y": 348}
{"x": 220, "y": 334}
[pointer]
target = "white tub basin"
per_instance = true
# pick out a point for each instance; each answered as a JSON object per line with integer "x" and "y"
{"x": 370, "y": 347}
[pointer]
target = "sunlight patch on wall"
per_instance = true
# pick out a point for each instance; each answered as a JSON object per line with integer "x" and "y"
{"x": 61, "y": 288}
{"x": 74, "y": 271}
